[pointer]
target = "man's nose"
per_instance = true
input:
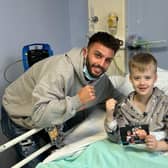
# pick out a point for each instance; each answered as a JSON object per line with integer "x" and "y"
{"x": 102, "y": 63}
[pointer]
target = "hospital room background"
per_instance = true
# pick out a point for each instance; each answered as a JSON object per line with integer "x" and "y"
{"x": 64, "y": 24}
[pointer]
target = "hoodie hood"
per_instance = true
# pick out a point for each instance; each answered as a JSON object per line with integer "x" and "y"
{"x": 76, "y": 58}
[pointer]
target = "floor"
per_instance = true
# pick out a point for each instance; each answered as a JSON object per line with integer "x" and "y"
{"x": 8, "y": 157}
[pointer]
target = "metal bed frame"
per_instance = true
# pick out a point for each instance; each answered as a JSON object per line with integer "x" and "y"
{"x": 20, "y": 138}
{"x": 75, "y": 140}
{"x": 68, "y": 149}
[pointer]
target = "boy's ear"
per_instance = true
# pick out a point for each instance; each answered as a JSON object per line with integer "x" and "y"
{"x": 156, "y": 77}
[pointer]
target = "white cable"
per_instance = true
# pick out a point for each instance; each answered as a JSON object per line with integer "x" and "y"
{"x": 7, "y": 68}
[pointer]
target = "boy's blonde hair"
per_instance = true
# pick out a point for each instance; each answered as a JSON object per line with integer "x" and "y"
{"x": 141, "y": 61}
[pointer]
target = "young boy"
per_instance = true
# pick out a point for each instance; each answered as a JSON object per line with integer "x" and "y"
{"x": 145, "y": 105}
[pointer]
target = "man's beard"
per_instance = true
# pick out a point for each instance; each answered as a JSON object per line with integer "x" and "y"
{"x": 89, "y": 66}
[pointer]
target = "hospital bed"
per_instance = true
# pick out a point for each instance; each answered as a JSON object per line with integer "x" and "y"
{"x": 93, "y": 125}
{"x": 88, "y": 143}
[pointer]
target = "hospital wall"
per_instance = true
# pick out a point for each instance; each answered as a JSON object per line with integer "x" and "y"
{"x": 64, "y": 24}
{"x": 148, "y": 19}
{"x": 24, "y": 22}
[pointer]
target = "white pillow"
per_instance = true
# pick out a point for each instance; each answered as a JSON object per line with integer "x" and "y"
{"x": 125, "y": 86}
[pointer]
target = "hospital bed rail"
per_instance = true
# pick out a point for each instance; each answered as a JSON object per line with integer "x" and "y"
{"x": 75, "y": 139}
{"x": 20, "y": 138}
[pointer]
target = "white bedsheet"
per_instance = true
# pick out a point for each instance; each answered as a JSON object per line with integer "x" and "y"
{"x": 91, "y": 130}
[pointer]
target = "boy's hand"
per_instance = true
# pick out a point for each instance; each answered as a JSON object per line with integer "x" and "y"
{"x": 110, "y": 106}
{"x": 151, "y": 142}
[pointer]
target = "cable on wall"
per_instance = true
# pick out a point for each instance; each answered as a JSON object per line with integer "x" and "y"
{"x": 7, "y": 69}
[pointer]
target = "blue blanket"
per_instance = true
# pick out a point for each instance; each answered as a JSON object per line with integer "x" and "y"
{"x": 104, "y": 154}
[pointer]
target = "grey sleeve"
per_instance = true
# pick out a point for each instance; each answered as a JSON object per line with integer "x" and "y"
{"x": 51, "y": 105}
{"x": 112, "y": 130}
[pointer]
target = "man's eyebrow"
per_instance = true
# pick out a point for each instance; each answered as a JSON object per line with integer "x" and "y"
{"x": 100, "y": 53}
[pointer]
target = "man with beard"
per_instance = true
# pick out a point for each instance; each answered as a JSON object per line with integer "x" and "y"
{"x": 60, "y": 90}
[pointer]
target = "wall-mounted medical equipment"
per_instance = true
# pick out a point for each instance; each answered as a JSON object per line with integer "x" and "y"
{"x": 94, "y": 19}
{"x": 33, "y": 53}
{"x": 112, "y": 23}
{"x": 109, "y": 16}
{"x": 136, "y": 42}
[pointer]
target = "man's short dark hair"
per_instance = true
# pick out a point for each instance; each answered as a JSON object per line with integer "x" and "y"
{"x": 106, "y": 39}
